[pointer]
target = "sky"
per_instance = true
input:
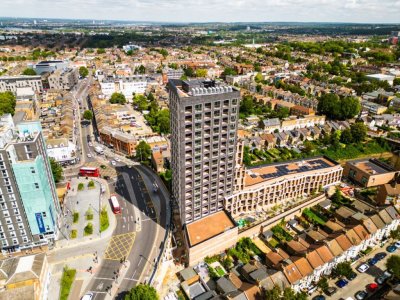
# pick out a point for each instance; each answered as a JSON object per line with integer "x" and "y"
{"x": 355, "y": 11}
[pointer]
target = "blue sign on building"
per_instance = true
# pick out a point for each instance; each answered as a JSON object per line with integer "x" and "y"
{"x": 39, "y": 220}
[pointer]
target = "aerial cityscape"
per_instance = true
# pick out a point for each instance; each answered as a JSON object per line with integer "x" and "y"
{"x": 170, "y": 150}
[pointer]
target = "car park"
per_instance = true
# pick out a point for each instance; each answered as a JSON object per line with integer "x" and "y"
{"x": 363, "y": 268}
{"x": 341, "y": 283}
{"x": 330, "y": 291}
{"x": 372, "y": 261}
{"x": 391, "y": 248}
{"x": 361, "y": 295}
{"x": 380, "y": 255}
{"x": 397, "y": 244}
{"x": 372, "y": 287}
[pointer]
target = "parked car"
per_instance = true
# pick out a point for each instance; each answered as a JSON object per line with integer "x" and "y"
{"x": 113, "y": 163}
{"x": 380, "y": 280}
{"x": 319, "y": 297}
{"x": 361, "y": 295}
{"x": 351, "y": 276}
{"x": 363, "y": 268}
{"x": 397, "y": 244}
{"x": 312, "y": 289}
{"x": 391, "y": 248}
{"x": 372, "y": 287}
{"x": 341, "y": 283}
{"x": 88, "y": 296}
{"x": 380, "y": 255}
{"x": 330, "y": 291}
{"x": 372, "y": 261}
{"x": 89, "y": 155}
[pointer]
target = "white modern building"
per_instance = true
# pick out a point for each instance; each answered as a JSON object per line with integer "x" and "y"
{"x": 127, "y": 85}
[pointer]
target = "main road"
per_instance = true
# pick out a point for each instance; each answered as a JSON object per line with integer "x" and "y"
{"x": 141, "y": 227}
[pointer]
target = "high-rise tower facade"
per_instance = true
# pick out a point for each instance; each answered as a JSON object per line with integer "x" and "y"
{"x": 204, "y": 118}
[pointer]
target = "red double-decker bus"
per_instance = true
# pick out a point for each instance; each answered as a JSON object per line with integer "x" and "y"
{"x": 89, "y": 172}
{"x": 115, "y": 205}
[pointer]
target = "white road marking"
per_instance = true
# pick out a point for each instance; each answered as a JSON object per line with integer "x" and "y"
{"x": 134, "y": 273}
{"x": 102, "y": 278}
{"x": 131, "y": 279}
{"x": 141, "y": 258}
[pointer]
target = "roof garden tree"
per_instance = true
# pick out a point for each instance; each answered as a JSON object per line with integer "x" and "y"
{"x": 29, "y": 71}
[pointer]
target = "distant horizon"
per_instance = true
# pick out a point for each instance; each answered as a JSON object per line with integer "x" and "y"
{"x": 42, "y": 18}
{"x": 209, "y": 11}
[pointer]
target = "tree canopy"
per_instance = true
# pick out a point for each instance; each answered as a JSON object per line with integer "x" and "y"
{"x": 338, "y": 108}
{"x": 142, "y": 292}
{"x": 7, "y": 103}
{"x": 56, "y": 169}
{"x": 201, "y": 73}
{"x": 117, "y": 98}
{"x": 393, "y": 265}
{"x": 143, "y": 151}
{"x": 83, "y": 72}
{"x": 88, "y": 115}
{"x": 29, "y": 71}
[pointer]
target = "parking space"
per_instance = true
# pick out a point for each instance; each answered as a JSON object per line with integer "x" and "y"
{"x": 120, "y": 246}
{"x": 361, "y": 282}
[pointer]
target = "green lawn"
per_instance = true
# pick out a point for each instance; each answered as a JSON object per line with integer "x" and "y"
{"x": 104, "y": 223}
{"x": 67, "y": 279}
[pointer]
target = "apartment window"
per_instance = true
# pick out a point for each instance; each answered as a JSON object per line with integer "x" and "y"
{"x": 6, "y": 213}
{"x": 1, "y": 157}
{"x": 27, "y": 148}
{"x": 25, "y": 240}
{"x": 198, "y": 107}
{"x": 15, "y": 241}
{"x": 217, "y": 113}
{"x": 2, "y": 236}
{"x": 5, "y": 244}
{"x": 4, "y": 173}
{"x": 217, "y": 104}
{"x": 8, "y": 221}
{"x": 3, "y": 206}
{"x": 36, "y": 185}
{"x": 234, "y": 101}
{"x": 9, "y": 189}
{"x": 44, "y": 214}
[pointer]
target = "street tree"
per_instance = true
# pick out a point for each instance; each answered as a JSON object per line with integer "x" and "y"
{"x": 393, "y": 265}
{"x": 88, "y": 115}
{"x": 140, "y": 102}
{"x": 323, "y": 283}
{"x": 142, "y": 292}
{"x": 83, "y": 72}
{"x": 343, "y": 269}
{"x": 117, "y": 98}
{"x": 143, "y": 151}
{"x": 140, "y": 70}
{"x": 56, "y": 169}
{"x": 395, "y": 234}
{"x": 7, "y": 103}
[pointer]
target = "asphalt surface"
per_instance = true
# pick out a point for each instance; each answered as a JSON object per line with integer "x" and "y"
{"x": 141, "y": 218}
{"x": 132, "y": 193}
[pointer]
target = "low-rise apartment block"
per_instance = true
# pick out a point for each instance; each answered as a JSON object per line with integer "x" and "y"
{"x": 127, "y": 85}
{"x": 12, "y": 83}
{"x": 369, "y": 172}
{"x": 64, "y": 79}
{"x": 262, "y": 187}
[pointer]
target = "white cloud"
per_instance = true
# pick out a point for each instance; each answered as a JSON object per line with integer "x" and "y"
{"x": 209, "y": 10}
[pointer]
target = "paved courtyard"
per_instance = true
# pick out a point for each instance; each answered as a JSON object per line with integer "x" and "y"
{"x": 86, "y": 204}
